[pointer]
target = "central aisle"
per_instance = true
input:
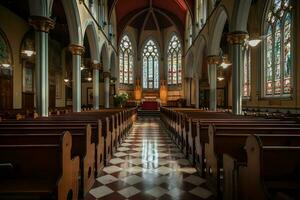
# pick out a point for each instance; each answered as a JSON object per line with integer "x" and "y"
{"x": 149, "y": 166}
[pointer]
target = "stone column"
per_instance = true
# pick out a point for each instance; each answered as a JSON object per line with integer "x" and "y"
{"x": 42, "y": 25}
{"x": 95, "y": 67}
{"x": 106, "y": 76}
{"x": 76, "y": 51}
{"x": 213, "y": 61}
{"x": 188, "y": 90}
{"x": 237, "y": 39}
{"x": 197, "y": 90}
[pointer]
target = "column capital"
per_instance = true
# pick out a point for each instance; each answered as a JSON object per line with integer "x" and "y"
{"x": 76, "y": 49}
{"x": 41, "y": 23}
{"x": 237, "y": 37}
{"x": 95, "y": 65}
{"x": 106, "y": 74}
{"x": 214, "y": 59}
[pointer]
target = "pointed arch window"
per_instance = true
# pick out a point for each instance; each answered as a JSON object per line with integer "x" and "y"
{"x": 126, "y": 61}
{"x": 150, "y": 66}
{"x": 247, "y": 72}
{"x": 174, "y": 61}
{"x": 278, "y": 57}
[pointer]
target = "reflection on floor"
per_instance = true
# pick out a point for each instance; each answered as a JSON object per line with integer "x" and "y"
{"x": 149, "y": 166}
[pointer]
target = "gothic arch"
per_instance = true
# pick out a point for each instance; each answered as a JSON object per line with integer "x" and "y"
{"x": 217, "y": 30}
{"x": 91, "y": 34}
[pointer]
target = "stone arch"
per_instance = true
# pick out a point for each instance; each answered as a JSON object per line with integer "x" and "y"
{"x": 189, "y": 66}
{"x": 201, "y": 47}
{"x": 113, "y": 65}
{"x": 104, "y": 59}
{"x": 217, "y": 30}
{"x": 240, "y": 15}
{"x": 91, "y": 34}
{"x": 73, "y": 20}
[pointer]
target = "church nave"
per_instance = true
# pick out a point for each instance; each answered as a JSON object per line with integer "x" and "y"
{"x": 148, "y": 165}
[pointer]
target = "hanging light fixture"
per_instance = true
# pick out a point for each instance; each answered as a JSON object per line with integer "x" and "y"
{"x": 5, "y": 62}
{"x": 89, "y": 78}
{"x": 254, "y": 40}
{"x": 220, "y": 78}
{"x": 28, "y": 48}
{"x": 28, "y": 53}
{"x": 66, "y": 79}
{"x": 220, "y": 75}
{"x": 82, "y": 67}
{"x": 225, "y": 61}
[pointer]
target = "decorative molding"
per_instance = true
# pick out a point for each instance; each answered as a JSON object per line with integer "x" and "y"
{"x": 237, "y": 37}
{"x": 95, "y": 65}
{"x": 106, "y": 74}
{"x": 76, "y": 49}
{"x": 214, "y": 60}
{"x": 42, "y": 24}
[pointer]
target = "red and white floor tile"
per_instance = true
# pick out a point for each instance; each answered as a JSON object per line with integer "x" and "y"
{"x": 149, "y": 166}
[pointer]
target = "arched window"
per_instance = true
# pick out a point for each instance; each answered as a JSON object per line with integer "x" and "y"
{"x": 126, "y": 61}
{"x": 174, "y": 61}
{"x": 278, "y": 61}
{"x": 150, "y": 66}
{"x": 246, "y": 72}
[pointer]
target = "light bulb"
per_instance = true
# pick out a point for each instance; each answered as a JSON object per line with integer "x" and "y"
{"x": 220, "y": 78}
{"x": 28, "y": 53}
{"x": 254, "y": 42}
{"x": 5, "y": 65}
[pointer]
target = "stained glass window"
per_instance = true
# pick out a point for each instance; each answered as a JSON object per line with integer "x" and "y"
{"x": 278, "y": 63}
{"x": 126, "y": 61}
{"x": 174, "y": 61}
{"x": 150, "y": 66}
{"x": 246, "y": 72}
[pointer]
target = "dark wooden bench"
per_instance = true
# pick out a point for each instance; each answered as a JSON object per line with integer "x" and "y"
{"x": 230, "y": 140}
{"x": 83, "y": 146}
{"x": 39, "y": 171}
{"x": 270, "y": 170}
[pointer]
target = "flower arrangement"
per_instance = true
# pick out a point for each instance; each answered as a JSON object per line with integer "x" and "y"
{"x": 120, "y": 99}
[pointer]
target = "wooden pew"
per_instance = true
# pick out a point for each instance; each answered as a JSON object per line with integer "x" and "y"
{"x": 82, "y": 145}
{"x": 231, "y": 140}
{"x": 270, "y": 170}
{"x": 43, "y": 171}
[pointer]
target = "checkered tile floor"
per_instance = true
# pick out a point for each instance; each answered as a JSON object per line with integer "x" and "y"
{"x": 149, "y": 166}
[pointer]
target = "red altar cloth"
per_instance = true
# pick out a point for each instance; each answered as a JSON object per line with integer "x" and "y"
{"x": 150, "y": 105}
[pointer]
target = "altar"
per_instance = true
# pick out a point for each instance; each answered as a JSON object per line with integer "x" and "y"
{"x": 150, "y": 103}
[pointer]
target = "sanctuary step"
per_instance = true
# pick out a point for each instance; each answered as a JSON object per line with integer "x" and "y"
{"x": 150, "y": 113}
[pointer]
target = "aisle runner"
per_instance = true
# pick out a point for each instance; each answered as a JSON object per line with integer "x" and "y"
{"x": 149, "y": 166}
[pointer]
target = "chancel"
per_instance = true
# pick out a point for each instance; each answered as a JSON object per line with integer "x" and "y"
{"x": 149, "y": 99}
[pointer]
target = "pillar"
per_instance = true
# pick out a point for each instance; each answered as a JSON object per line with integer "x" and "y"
{"x": 197, "y": 90}
{"x": 106, "y": 76}
{"x": 213, "y": 61}
{"x": 95, "y": 67}
{"x": 42, "y": 25}
{"x": 188, "y": 90}
{"x": 237, "y": 39}
{"x": 76, "y": 51}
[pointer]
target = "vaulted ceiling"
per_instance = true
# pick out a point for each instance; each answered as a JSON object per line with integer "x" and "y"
{"x": 165, "y": 12}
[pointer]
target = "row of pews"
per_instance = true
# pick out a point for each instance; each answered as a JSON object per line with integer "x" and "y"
{"x": 59, "y": 157}
{"x": 242, "y": 157}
